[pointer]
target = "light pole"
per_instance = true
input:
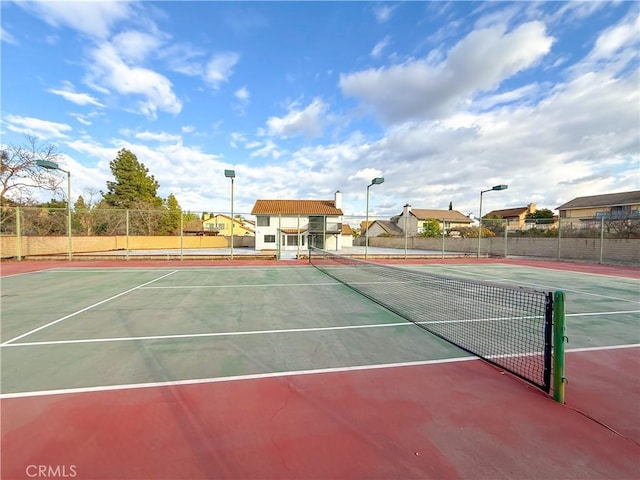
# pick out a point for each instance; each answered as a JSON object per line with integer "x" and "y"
{"x": 495, "y": 187}
{"x": 49, "y": 165}
{"x": 375, "y": 181}
{"x": 231, "y": 174}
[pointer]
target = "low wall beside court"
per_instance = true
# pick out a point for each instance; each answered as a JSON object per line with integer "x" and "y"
{"x": 608, "y": 250}
{"x": 10, "y": 247}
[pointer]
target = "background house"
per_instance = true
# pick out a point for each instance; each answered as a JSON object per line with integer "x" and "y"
{"x": 411, "y": 221}
{"x": 514, "y": 217}
{"x": 585, "y": 211}
{"x": 295, "y": 224}
{"x": 381, "y": 227}
{"x": 222, "y": 224}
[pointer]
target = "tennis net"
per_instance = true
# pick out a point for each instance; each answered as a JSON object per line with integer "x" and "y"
{"x": 508, "y": 326}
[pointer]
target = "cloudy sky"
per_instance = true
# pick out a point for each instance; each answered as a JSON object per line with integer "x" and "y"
{"x": 441, "y": 99}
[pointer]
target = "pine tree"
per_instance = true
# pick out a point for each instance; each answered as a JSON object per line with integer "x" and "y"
{"x": 133, "y": 186}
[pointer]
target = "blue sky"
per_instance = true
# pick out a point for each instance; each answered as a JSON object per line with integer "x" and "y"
{"x": 442, "y": 99}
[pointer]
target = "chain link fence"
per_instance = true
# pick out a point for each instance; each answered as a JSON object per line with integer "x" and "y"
{"x": 33, "y": 231}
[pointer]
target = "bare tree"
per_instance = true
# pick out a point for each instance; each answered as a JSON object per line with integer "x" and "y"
{"x": 19, "y": 174}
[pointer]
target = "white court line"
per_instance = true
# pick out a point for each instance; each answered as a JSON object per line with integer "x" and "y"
{"x": 204, "y": 335}
{"x": 255, "y": 376}
{"x": 598, "y": 349}
{"x": 256, "y": 285}
{"x": 284, "y": 330}
{"x": 83, "y": 310}
{"x": 595, "y": 314}
{"x": 546, "y": 287}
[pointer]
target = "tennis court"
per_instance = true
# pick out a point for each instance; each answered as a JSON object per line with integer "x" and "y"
{"x": 276, "y": 370}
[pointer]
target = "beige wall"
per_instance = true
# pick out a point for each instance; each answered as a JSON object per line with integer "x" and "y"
{"x": 48, "y": 245}
{"x": 614, "y": 251}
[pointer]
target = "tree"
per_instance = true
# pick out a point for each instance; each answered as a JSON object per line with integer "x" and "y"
{"x": 133, "y": 185}
{"x": 19, "y": 174}
{"x": 170, "y": 223}
{"x": 431, "y": 228}
{"x": 544, "y": 215}
{"x": 450, "y": 205}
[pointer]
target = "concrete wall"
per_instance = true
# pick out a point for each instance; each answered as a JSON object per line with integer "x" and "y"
{"x": 614, "y": 251}
{"x": 49, "y": 245}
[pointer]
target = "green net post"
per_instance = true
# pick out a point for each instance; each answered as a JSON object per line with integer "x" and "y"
{"x": 559, "y": 339}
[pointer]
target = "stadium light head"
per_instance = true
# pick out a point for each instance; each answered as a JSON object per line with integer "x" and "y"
{"x": 230, "y": 173}
{"x": 377, "y": 181}
{"x": 48, "y": 164}
{"x": 500, "y": 187}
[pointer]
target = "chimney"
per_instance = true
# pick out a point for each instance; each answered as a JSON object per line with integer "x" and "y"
{"x": 531, "y": 208}
{"x": 338, "y": 199}
{"x": 407, "y": 210}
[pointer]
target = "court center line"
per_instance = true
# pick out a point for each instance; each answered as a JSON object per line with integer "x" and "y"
{"x": 257, "y": 285}
{"x": 83, "y": 310}
{"x": 537, "y": 285}
{"x": 257, "y": 376}
{"x": 204, "y": 335}
{"x": 284, "y": 330}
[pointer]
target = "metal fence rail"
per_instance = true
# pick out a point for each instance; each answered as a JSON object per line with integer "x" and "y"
{"x": 39, "y": 231}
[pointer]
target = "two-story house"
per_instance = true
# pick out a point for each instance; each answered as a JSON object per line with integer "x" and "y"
{"x": 221, "y": 224}
{"x": 411, "y": 221}
{"x": 515, "y": 218}
{"x": 296, "y": 224}
{"x": 583, "y": 211}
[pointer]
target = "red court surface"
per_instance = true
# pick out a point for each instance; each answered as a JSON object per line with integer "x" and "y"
{"x": 445, "y": 421}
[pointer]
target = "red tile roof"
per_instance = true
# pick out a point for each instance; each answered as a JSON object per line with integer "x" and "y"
{"x": 295, "y": 207}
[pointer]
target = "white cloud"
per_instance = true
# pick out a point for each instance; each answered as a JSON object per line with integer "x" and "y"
{"x": 95, "y": 19}
{"x": 7, "y": 37}
{"x": 308, "y": 122}
{"x": 163, "y": 137}
{"x": 220, "y": 68}
{"x": 383, "y": 13}
{"x": 366, "y": 174}
{"x": 479, "y": 62}
{"x": 381, "y": 45}
{"x": 134, "y": 46}
{"x": 40, "y": 128}
{"x": 616, "y": 38}
{"x": 108, "y": 70}
{"x": 187, "y": 129}
{"x": 242, "y": 94}
{"x": 68, "y": 93}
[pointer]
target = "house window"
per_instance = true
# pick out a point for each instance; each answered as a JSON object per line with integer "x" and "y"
{"x": 316, "y": 224}
{"x": 269, "y": 238}
{"x": 263, "y": 221}
{"x": 292, "y": 240}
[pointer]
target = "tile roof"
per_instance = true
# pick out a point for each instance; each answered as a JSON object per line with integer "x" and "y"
{"x": 295, "y": 207}
{"x": 606, "y": 200}
{"x": 507, "y": 212}
{"x": 388, "y": 226}
{"x": 449, "y": 215}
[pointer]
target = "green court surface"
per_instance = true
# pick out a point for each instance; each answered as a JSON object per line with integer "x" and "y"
{"x": 78, "y": 328}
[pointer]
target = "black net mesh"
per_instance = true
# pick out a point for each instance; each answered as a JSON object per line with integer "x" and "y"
{"x": 507, "y": 326}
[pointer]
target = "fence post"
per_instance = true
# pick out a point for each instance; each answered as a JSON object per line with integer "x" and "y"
{"x": 181, "y": 234}
{"x": 18, "y": 235}
{"x": 601, "y": 237}
{"x": 559, "y": 237}
{"x": 443, "y": 237}
{"x": 506, "y": 229}
{"x": 126, "y": 235}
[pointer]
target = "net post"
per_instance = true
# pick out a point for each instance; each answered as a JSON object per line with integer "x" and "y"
{"x": 559, "y": 338}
